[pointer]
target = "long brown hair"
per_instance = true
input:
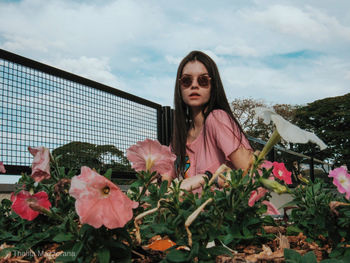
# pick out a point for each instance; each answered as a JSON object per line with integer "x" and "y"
{"x": 183, "y": 115}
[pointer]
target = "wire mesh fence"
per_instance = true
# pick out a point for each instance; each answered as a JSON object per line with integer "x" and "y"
{"x": 43, "y": 106}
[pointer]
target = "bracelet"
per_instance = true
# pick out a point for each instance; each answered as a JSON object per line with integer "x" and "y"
{"x": 209, "y": 174}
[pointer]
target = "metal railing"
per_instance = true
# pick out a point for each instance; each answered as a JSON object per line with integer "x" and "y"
{"x": 308, "y": 166}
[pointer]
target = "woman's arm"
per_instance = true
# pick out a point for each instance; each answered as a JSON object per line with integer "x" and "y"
{"x": 242, "y": 158}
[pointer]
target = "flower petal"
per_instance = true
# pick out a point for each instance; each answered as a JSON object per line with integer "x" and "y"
{"x": 151, "y": 153}
{"x": 99, "y": 201}
{"x": 41, "y": 163}
{"x": 20, "y": 203}
{"x": 287, "y": 130}
{"x": 2, "y": 168}
{"x": 271, "y": 209}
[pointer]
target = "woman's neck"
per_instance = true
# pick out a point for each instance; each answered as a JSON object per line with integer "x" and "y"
{"x": 198, "y": 119}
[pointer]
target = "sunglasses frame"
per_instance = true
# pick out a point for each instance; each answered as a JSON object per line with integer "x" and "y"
{"x": 208, "y": 78}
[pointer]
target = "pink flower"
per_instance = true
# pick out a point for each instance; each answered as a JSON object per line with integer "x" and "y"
{"x": 2, "y": 168}
{"x": 271, "y": 209}
{"x": 23, "y": 201}
{"x": 280, "y": 172}
{"x": 266, "y": 164}
{"x": 341, "y": 179}
{"x": 99, "y": 201}
{"x": 41, "y": 163}
{"x": 150, "y": 155}
{"x": 256, "y": 195}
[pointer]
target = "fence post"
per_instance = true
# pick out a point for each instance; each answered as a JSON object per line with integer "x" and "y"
{"x": 312, "y": 174}
{"x": 166, "y": 125}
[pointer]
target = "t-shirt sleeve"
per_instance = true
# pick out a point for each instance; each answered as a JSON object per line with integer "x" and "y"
{"x": 226, "y": 133}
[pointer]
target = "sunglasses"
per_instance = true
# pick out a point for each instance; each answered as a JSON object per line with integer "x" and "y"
{"x": 202, "y": 80}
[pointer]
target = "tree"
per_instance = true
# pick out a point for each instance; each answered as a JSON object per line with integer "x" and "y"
{"x": 330, "y": 120}
{"x": 243, "y": 110}
{"x": 101, "y": 157}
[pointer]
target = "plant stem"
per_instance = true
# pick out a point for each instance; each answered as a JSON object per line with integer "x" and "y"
{"x": 274, "y": 139}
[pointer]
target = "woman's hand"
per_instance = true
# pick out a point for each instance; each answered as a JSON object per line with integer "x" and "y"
{"x": 193, "y": 182}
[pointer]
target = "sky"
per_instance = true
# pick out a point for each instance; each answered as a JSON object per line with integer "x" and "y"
{"x": 287, "y": 51}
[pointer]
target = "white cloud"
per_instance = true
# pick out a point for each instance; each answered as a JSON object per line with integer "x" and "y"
{"x": 293, "y": 84}
{"x": 136, "y": 46}
{"x": 310, "y": 23}
{"x": 173, "y": 60}
{"x": 347, "y": 75}
{"x": 236, "y": 50}
{"x": 92, "y": 68}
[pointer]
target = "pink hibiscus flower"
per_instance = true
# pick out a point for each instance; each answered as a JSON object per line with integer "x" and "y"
{"x": 281, "y": 172}
{"x": 150, "y": 155}
{"x": 41, "y": 163}
{"x": 341, "y": 179}
{"x": 2, "y": 168}
{"x": 99, "y": 201}
{"x": 23, "y": 202}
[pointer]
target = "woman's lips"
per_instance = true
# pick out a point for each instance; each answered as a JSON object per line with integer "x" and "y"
{"x": 194, "y": 95}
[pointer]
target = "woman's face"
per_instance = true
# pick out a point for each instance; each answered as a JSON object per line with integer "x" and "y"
{"x": 197, "y": 93}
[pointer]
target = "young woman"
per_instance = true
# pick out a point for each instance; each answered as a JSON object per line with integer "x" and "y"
{"x": 205, "y": 134}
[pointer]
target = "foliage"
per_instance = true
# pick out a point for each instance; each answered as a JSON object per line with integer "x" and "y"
{"x": 227, "y": 220}
{"x": 101, "y": 157}
{"x": 314, "y": 215}
{"x": 330, "y": 119}
{"x": 79, "y": 243}
{"x": 292, "y": 256}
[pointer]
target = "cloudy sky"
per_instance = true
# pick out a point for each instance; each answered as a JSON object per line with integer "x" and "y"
{"x": 287, "y": 51}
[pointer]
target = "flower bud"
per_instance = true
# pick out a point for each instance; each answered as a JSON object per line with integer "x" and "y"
{"x": 303, "y": 179}
{"x": 273, "y": 185}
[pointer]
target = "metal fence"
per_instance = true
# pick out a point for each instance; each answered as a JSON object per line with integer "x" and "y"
{"x": 45, "y": 106}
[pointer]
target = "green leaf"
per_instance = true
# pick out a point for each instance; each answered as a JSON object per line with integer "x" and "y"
{"x": 177, "y": 256}
{"x": 6, "y": 202}
{"x": 7, "y": 250}
{"x": 293, "y": 230}
{"x": 163, "y": 188}
{"x": 103, "y": 255}
{"x": 217, "y": 251}
{"x": 291, "y": 256}
{"x": 162, "y": 229}
{"x": 309, "y": 257}
{"x": 108, "y": 174}
{"x": 61, "y": 237}
{"x": 228, "y": 239}
{"x": 77, "y": 248}
{"x": 195, "y": 250}
{"x": 69, "y": 256}
{"x": 9, "y": 237}
{"x": 331, "y": 261}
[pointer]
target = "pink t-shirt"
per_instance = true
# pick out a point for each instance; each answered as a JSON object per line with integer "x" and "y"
{"x": 207, "y": 152}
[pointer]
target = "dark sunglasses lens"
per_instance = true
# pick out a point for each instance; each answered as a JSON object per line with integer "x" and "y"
{"x": 186, "y": 81}
{"x": 203, "y": 81}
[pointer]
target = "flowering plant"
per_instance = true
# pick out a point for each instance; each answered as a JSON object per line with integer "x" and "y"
{"x": 56, "y": 215}
{"x": 87, "y": 218}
